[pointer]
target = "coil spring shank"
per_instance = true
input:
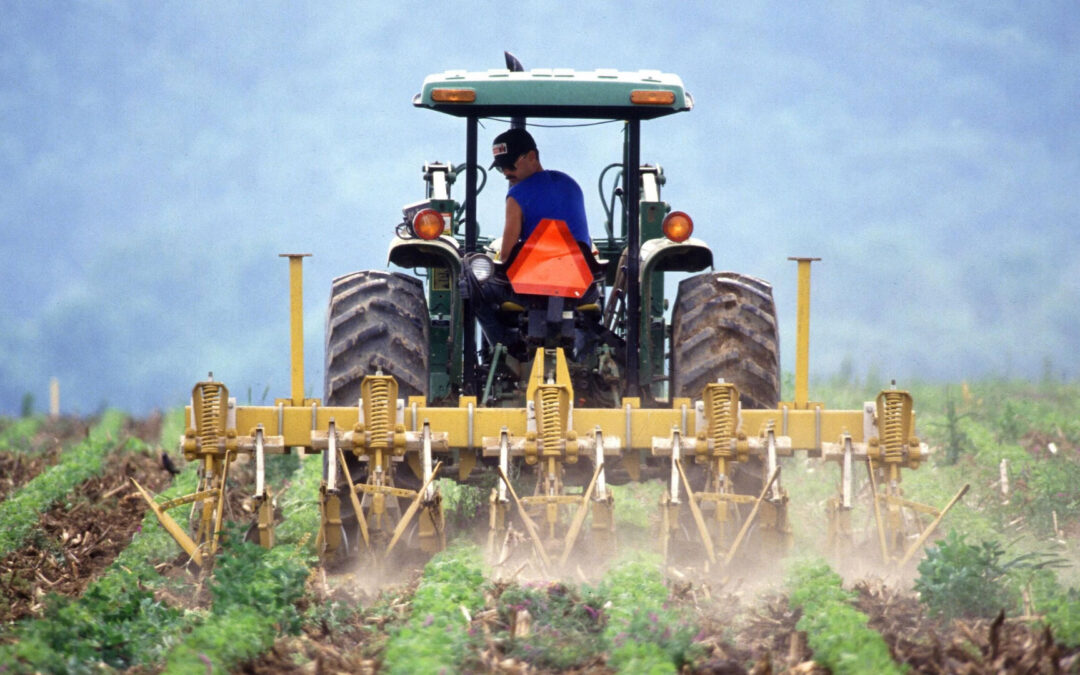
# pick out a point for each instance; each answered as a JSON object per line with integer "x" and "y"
{"x": 550, "y": 417}
{"x": 894, "y": 409}
{"x": 720, "y": 408}
{"x": 209, "y": 401}
{"x": 377, "y": 394}
{"x": 209, "y": 414}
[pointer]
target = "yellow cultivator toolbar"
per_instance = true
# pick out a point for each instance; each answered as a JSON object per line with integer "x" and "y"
{"x": 697, "y": 443}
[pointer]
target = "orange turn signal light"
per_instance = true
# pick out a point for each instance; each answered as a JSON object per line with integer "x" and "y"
{"x": 453, "y": 95}
{"x": 678, "y": 226}
{"x": 428, "y": 224}
{"x": 652, "y": 97}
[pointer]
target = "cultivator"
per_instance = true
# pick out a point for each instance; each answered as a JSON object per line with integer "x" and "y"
{"x": 703, "y": 442}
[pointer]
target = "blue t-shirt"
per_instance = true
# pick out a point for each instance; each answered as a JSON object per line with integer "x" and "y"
{"x": 555, "y": 195}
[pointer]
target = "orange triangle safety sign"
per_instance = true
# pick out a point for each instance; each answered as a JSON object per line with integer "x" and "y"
{"x": 550, "y": 263}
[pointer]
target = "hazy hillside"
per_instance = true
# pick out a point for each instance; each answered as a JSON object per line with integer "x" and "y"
{"x": 157, "y": 158}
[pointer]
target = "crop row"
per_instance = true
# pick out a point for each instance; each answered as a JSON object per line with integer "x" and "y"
{"x": 836, "y": 631}
{"x": 19, "y": 513}
{"x": 121, "y": 621}
{"x": 16, "y": 433}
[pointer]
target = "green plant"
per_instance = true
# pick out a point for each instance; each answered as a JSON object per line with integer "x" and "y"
{"x": 1012, "y": 422}
{"x": 435, "y": 638}
{"x": 117, "y": 622}
{"x": 16, "y": 434}
{"x": 19, "y": 513}
{"x": 26, "y": 408}
{"x": 463, "y": 503}
{"x": 957, "y": 441}
{"x": 836, "y": 631}
{"x": 1052, "y": 489}
{"x": 255, "y": 593}
{"x": 958, "y": 579}
{"x": 564, "y": 627}
{"x": 640, "y": 614}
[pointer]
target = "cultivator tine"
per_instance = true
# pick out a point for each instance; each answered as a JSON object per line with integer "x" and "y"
{"x": 499, "y": 502}
{"x": 329, "y": 539}
{"x": 530, "y": 526}
{"x": 357, "y": 507}
{"x": 933, "y": 526}
{"x": 265, "y": 505}
{"x": 171, "y": 526}
{"x": 220, "y": 511}
{"x": 579, "y": 516}
{"x": 840, "y": 506}
{"x": 773, "y": 477}
{"x": 603, "y": 521}
{"x": 877, "y": 511}
{"x": 695, "y": 510}
{"x": 414, "y": 506}
{"x": 431, "y": 526}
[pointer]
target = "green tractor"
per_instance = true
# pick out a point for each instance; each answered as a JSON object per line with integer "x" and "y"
{"x": 421, "y": 330}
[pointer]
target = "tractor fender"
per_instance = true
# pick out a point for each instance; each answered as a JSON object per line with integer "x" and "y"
{"x": 413, "y": 253}
{"x": 664, "y": 255}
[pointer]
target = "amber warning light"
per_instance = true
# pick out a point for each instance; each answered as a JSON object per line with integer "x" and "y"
{"x": 428, "y": 224}
{"x": 453, "y": 95}
{"x": 678, "y": 226}
{"x": 652, "y": 97}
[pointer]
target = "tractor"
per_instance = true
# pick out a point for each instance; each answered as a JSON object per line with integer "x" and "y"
{"x": 585, "y": 395}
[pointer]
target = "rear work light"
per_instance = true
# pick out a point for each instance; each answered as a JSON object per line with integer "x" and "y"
{"x": 678, "y": 226}
{"x": 428, "y": 224}
{"x": 453, "y": 95}
{"x": 652, "y": 97}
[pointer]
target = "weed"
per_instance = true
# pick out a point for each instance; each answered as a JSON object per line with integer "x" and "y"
{"x": 1052, "y": 489}
{"x": 565, "y": 628}
{"x": 957, "y": 442}
{"x": 435, "y": 639}
{"x": 958, "y": 579}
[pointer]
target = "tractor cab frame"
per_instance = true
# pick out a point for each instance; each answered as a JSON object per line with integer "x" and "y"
{"x": 640, "y": 249}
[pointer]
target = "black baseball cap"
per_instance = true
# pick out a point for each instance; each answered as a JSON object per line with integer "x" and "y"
{"x": 509, "y": 145}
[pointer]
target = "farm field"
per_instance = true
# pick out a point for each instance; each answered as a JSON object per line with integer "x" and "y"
{"x": 90, "y": 582}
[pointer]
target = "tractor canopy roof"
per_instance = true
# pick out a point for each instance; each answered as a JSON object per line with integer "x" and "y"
{"x": 596, "y": 94}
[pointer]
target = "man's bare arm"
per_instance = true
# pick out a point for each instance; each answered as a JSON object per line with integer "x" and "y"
{"x": 512, "y": 229}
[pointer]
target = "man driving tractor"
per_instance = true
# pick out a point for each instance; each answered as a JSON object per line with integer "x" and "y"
{"x": 535, "y": 195}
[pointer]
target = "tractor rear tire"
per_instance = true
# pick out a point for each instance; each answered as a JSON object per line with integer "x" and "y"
{"x": 377, "y": 321}
{"x": 724, "y": 326}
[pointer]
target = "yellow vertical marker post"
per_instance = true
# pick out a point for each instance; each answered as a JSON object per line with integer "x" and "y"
{"x": 296, "y": 322}
{"x": 802, "y": 337}
{"x": 54, "y": 398}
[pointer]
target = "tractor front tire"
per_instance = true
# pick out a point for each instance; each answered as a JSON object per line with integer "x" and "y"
{"x": 724, "y": 326}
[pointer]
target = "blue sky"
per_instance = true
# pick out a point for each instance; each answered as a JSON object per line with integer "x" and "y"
{"x": 156, "y": 157}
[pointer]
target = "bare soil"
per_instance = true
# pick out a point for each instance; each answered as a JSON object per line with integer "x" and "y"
{"x": 758, "y": 638}
{"x": 79, "y": 537}
{"x": 18, "y": 467}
